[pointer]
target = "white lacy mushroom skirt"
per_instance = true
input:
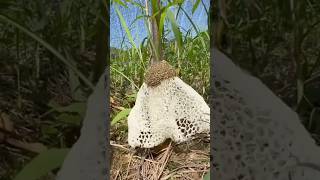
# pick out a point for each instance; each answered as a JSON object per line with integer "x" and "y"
{"x": 172, "y": 110}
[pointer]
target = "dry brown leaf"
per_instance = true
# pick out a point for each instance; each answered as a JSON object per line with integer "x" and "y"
{"x": 5, "y": 122}
{"x": 32, "y": 147}
{"x": 6, "y": 125}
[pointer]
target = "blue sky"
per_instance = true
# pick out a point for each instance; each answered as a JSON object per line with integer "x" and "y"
{"x": 138, "y": 28}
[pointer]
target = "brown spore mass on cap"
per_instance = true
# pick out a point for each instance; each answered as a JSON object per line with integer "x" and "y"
{"x": 158, "y": 72}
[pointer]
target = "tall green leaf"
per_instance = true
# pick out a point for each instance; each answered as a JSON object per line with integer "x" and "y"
{"x": 195, "y": 6}
{"x": 155, "y": 6}
{"x": 189, "y": 18}
{"x": 175, "y": 29}
{"x": 42, "y": 164}
{"x": 162, "y": 20}
{"x": 120, "y": 3}
{"x": 126, "y": 77}
{"x": 125, "y": 27}
{"x": 48, "y": 47}
{"x": 122, "y": 114}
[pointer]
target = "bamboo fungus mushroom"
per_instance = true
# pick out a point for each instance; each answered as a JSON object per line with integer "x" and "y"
{"x": 166, "y": 107}
{"x": 255, "y": 134}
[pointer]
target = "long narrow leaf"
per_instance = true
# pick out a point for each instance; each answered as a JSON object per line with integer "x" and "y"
{"x": 162, "y": 20}
{"x": 189, "y": 18}
{"x": 48, "y": 47}
{"x": 120, "y": 3}
{"x": 125, "y": 77}
{"x": 205, "y": 8}
{"x": 155, "y": 7}
{"x": 195, "y": 6}
{"x": 170, "y": 4}
{"x": 122, "y": 114}
{"x": 42, "y": 164}
{"x": 178, "y": 1}
{"x": 125, "y": 27}
{"x": 136, "y": 4}
{"x": 138, "y": 17}
{"x": 175, "y": 29}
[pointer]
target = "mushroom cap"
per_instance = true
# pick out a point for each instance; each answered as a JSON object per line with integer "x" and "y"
{"x": 159, "y": 72}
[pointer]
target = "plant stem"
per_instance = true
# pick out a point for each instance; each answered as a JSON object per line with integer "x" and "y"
{"x": 156, "y": 36}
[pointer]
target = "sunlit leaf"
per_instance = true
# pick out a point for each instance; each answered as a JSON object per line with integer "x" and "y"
{"x": 132, "y": 95}
{"x": 191, "y": 21}
{"x": 126, "y": 77}
{"x": 124, "y": 26}
{"x": 195, "y": 6}
{"x": 175, "y": 29}
{"x": 120, "y": 3}
{"x": 178, "y": 2}
{"x": 121, "y": 115}
{"x": 136, "y": 4}
{"x": 162, "y": 20}
{"x": 155, "y": 7}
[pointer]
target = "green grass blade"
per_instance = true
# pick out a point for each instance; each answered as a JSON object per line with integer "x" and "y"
{"x": 126, "y": 77}
{"x": 165, "y": 8}
{"x": 138, "y": 17}
{"x": 48, "y": 47}
{"x": 205, "y": 8}
{"x": 128, "y": 33}
{"x": 125, "y": 27}
{"x": 136, "y": 4}
{"x": 120, "y": 3}
{"x": 122, "y": 114}
{"x": 42, "y": 164}
{"x": 162, "y": 20}
{"x": 175, "y": 29}
{"x": 155, "y": 7}
{"x": 189, "y": 18}
{"x": 195, "y": 6}
{"x": 203, "y": 37}
{"x": 178, "y": 1}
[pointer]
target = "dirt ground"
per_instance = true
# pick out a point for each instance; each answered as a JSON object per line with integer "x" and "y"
{"x": 168, "y": 161}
